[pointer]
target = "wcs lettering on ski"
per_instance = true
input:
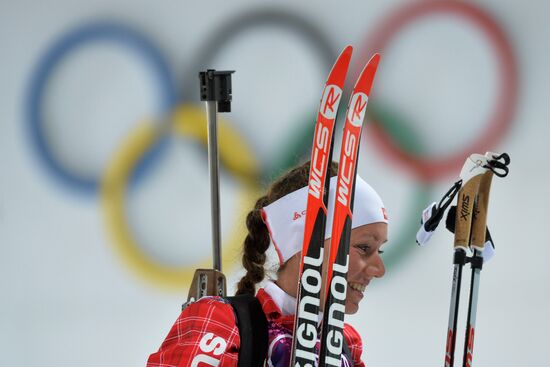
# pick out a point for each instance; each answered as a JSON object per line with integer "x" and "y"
{"x": 352, "y": 134}
{"x": 332, "y": 335}
{"x": 347, "y": 164}
{"x": 323, "y": 138}
{"x": 310, "y": 276}
{"x": 319, "y": 160}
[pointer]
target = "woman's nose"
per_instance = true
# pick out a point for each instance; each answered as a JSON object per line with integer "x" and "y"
{"x": 376, "y": 268}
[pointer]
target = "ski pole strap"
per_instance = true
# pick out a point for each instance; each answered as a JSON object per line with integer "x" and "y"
{"x": 498, "y": 164}
{"x": 431, "y": 224}
{"x": 432, "y": 215}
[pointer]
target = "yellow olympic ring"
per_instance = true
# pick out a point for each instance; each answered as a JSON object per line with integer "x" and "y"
{"x": 234, "y": 153}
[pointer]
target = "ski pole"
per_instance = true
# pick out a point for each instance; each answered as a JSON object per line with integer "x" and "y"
{"x": 478, "y": 241}
{"x": 471, "y": 175}
{"x": 476, "y": 262}
{"x": 215, "y": 90}
{"x": 470, "y": 229}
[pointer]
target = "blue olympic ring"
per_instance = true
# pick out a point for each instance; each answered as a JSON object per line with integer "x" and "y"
{"x": 105, "y": 31}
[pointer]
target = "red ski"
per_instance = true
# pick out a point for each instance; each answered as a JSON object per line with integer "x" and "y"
{"x": 310, "y": 279}
{"x": 336, "y": 283}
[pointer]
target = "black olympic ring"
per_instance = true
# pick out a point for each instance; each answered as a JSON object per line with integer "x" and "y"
{"x": 260, "y": 18}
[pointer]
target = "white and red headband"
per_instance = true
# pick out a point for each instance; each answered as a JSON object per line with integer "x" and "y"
{"x": 285, "y": 217}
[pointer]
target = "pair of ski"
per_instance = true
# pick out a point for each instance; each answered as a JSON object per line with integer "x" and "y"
{"x": 310, "y": 285}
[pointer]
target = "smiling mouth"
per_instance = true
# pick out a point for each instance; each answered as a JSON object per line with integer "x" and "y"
{"x": 357, "y": 286}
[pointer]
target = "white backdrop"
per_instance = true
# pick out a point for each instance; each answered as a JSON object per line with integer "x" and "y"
{"x": 70, "y": 296}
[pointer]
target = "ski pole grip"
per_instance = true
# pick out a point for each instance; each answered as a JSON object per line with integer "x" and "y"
{"x": 216, "y": 86}
{"x": 480, "y": 214}
{"x": 464, "y": 212}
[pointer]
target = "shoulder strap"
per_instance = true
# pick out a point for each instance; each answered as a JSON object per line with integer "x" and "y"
{"x": 252, "y": 325}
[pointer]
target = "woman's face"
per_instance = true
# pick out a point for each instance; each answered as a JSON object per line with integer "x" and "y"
{"x": 365, "y": 262}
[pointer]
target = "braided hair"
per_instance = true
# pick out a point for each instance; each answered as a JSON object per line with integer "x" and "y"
{"x": 257, "y": 240}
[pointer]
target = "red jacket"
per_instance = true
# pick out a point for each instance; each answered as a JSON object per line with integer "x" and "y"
{"x": 206, "y": 334}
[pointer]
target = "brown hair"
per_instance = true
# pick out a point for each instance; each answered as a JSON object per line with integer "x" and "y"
{"x": 257, "y": 241}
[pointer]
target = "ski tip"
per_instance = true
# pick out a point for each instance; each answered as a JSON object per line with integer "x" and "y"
{"x": 367, "y": 74}
{"x": 347, "y": 50}
{"x": 374, "y": 60}
{"x": 345, "y": 55}
{"x": 339, "y": 70}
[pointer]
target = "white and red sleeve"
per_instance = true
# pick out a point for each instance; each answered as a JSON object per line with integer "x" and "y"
{"x": 205, "y": 334}
{"x": 355, "y": 344}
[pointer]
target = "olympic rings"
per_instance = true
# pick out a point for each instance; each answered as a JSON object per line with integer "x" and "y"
{"x": 135, "y": 154}
{"x": 104, "y": 31}
{"x": 187, "y": 121}
{"x": 430, "y": 169}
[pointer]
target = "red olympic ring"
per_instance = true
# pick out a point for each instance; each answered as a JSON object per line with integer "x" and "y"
{"x": 429, "y": 169}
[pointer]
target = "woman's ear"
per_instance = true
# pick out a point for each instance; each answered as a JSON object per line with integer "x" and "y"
{"x": 287, "y": 276}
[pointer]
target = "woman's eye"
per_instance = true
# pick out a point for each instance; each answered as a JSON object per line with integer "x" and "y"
{"x": 367, "y": 249}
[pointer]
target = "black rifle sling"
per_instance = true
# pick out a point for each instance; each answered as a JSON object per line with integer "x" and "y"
{"x": 252, "y": 325}
{"x": 347, "y": 352}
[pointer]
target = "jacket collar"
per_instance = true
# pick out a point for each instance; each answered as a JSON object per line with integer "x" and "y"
{"x": 277, "y": 305}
